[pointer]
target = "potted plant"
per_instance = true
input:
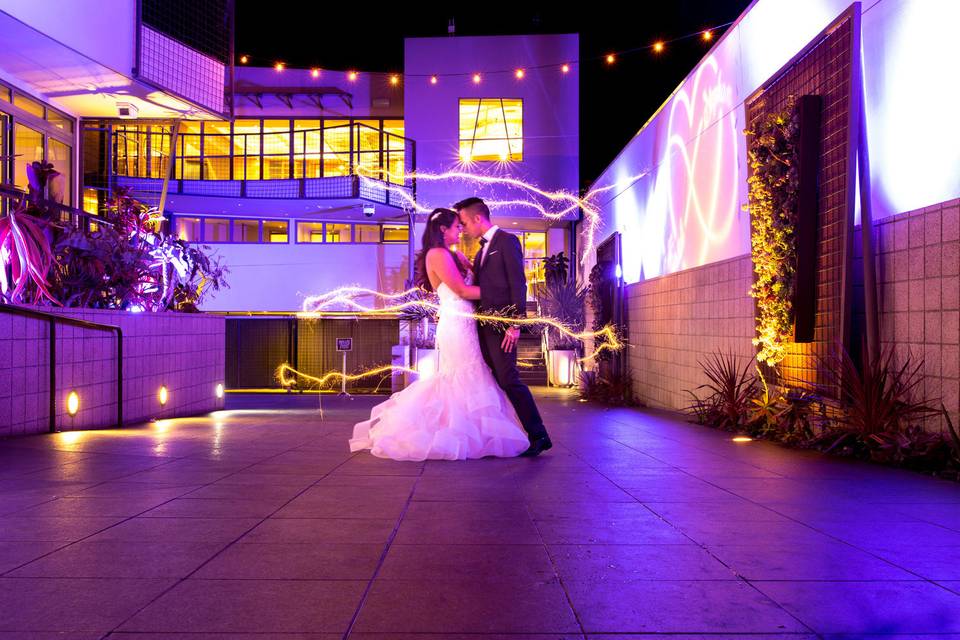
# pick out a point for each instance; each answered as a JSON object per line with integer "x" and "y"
{"x": 563, "y": 300}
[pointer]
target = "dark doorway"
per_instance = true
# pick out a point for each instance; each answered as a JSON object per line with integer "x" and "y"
{"x": 611, "y": 299}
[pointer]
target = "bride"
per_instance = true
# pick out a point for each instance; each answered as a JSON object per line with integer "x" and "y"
{"x": 459, "y": 412}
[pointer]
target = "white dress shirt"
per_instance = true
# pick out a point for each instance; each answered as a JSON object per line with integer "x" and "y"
{"x": 488, "y": 236}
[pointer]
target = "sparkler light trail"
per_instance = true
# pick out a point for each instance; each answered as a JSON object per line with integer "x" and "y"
{"x": 287, "y": 375}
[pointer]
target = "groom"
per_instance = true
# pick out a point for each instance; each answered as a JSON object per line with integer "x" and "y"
{"x": 498, "y": 270}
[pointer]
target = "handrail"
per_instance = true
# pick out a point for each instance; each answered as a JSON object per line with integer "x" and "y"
{"x": 54, "y": 320}
{"x": 14, "y": 193}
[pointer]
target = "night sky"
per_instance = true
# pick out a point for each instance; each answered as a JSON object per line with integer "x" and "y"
{"x": 614, "y": 101}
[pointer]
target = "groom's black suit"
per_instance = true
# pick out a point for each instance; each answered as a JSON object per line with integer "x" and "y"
{"x": 503, "y": 285}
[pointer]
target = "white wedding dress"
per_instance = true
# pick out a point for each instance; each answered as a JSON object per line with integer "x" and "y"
{"x": 455, "y": 414}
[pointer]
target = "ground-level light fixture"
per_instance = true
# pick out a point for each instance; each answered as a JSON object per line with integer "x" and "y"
{"x": 433, "y": 80}
{"x": 220, "y": 390}
{"x": 163, "y": 395}
{"x": 73, "y": 403}
{"x": 742, "y": 439}
{"x": 476, "y": 78}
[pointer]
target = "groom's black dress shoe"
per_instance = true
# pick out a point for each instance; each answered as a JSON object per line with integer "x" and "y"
{"x": 537, "y": 447}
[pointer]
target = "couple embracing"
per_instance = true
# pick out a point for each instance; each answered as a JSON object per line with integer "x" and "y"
{"x": 475, "y": 405}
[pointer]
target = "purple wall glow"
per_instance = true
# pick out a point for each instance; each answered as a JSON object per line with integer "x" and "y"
{"x": 675, "y": 192}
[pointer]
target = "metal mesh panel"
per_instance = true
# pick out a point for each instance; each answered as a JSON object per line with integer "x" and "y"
{"x": 208, "y": 188}
{"x": 338, "y": 187}
{"x": 273, "y": 188}
{"x": 184, "y": 47}
{"x": 824, "y": 71}
{"x": 373, "y": 340}
{"x": 255, "y": 348}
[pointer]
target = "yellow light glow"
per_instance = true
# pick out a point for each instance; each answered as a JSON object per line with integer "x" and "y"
{"x": 520, "y": 73}
{"x": 219, "y": 390}
{"x": 465, "y": 155}
{"x": 315, "y": 73}
{"x": 279, "y": 66}
{"x": 658, "y": 47}
{"x": 70, "y": 437}
{"x": 163, "y": 396}
{"x": 610, "y": 58}
{"x": 476, "y": 78}
{"x": 707, "y": 36}
{"x": 433, "y": 80}
{"x": 244, "y": 59}
{"x": 394, "y": 80}
{"x": 352, "y": 76}
{"x": 565, "y": 68}
{"x": 73, "y": 403}
{"x": 742, "y": 439}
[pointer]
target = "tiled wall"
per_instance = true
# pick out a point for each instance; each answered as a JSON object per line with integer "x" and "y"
{"x": 184, "y": 352}
{"x": 680, "y": 318}
{"x": 918, "y": 294}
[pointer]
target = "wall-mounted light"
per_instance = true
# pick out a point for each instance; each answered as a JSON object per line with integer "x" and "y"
{"x": 433, "y": 80}
{"x": 220, "y": 390}
{"x": 476, "y": 78}
{"x": 520, "y": 73}
{"x": 73, "y": 403}
{"x": 163, "y": 396}
{"x": 394, "y": 80}
{"x": 618, "y": 272}
{"x": 565, "y": 68}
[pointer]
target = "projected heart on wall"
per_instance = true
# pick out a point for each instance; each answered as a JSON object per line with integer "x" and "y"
{"x": 701, "y": 169}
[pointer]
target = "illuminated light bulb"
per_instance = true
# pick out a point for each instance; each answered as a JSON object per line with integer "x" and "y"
{"x": 565, "y": 68}
{"x": 503, "y": 156}
{"x": 610, "y": 58}
{"x": 163, "y": 395}
{"x": 476, "y": 78}
{"x": 352, "y": 76}
{"x": 394, "y": 80}
{"x": 244, "y": 59}
{"x": 219, "y": 390}
{"x": 707, "y": 36}
{"x": 465, "y": 155}
{"x": 433, "y": 79}
{"x": 315, "y": 73}
{"x": 619, "y": 272}
{"x": 73, "y": 403}
{"x": 520, "y": 73}
{"x": 279, "y": 66}
{"x": 743, "y": 439}
{"x": 658, "y": 46}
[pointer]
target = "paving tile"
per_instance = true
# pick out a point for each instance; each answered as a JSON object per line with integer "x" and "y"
{"x": 239, "y": 606}
{"x": 321, "y": 530}
{"x": 294, "y": 561}
{"x": 620, "y": 563}
{"x": 14, "y": 554}
{"x": 73, "y": 604}
{"x": 51, "y": 529}
{"x": 481, "y": 562}
{"x": 823, "y": 561}
{"x": 176, "y": 530}
{"x": 121, "y": 560}
{"x": 868, "y": 607}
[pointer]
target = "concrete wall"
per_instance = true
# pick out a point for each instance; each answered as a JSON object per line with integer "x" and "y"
{"x": 184, "y": 352}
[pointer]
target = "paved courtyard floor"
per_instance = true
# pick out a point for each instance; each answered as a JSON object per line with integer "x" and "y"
{"x": 258, "y": 523}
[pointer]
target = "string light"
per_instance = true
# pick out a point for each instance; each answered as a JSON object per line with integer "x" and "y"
{"x": 315, "y": 73}
{"x": 394, "y": 80}
{"x": 610, "y": 58}
{"x": 352, "y": 76}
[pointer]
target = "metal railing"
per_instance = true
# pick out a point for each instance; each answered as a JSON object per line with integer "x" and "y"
{"x": 53, "y": 321}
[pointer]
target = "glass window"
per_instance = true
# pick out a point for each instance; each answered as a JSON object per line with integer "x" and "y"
{"x": 216, "y": 230}
{"x": 28, "y": 147}
{"x": 276, "y": 149}
{"x": 367, "y": 232}
{"x": 246, "y": 231}
{"x": 246, "y": 168}
{"x": 59, "y": 120}
{"x": 27, "y": 104}
{"x": 246, "y": 137}
{"x": 534, "y": 252}
{"x": 393, "y": 233}
{"x": 91, "y": 201}
{"x": 491, "y": 129}
{"x": 311, "y": 232}
{"x": 336, "y": 148}
{"x": 61, "y": 157}
{"x": 307, "y": 149}
{"x": 338, "y": 232}
{"x": 4, "y": 93}
{"x": 216, "y": 127}
{"x": 275, "y": 231}
{"x": 187, "y": 229}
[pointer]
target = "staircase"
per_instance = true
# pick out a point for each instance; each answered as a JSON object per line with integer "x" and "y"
{"x": 533, "y": 367}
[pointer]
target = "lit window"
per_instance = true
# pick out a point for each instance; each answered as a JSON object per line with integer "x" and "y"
{"x": 188, "y": 229}
{"x": 393, "y": 233}
{"x": 216, "y": 230}
{"x": 246, "y": 231}
{"x": 28, "y": 148}
{"x": 338, "y": 233}
{"x": 367, "y": 232}
{"x": 336, "y": 148}
{"x": 310, "y": 232}
{"x": 60, "y": 156}
{"x": 275, "y": 231}
{"x": 91, "y": 201}
{"x": 246, "y": 150}
{"x": 30, "y": 106}
{"x": 59, "y": 120}
{"x": 491, "y": 129}
{"x": 276, "y": 149}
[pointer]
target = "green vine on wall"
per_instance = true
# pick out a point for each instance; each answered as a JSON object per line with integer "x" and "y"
{"x": 772, "y": 153}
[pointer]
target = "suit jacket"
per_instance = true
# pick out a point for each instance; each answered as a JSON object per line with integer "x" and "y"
{"x": 502, "y": 281}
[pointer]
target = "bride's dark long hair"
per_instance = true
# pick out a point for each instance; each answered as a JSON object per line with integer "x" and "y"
{"x": 433, "y": 238}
